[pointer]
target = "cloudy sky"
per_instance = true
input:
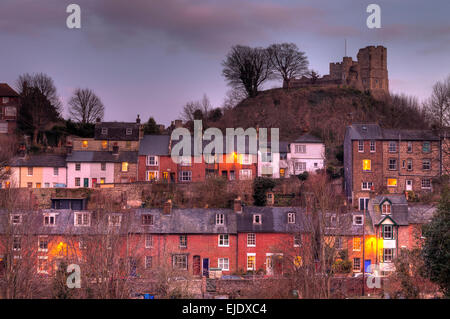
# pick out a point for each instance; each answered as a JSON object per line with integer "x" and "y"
{"x": 150, "y": 57}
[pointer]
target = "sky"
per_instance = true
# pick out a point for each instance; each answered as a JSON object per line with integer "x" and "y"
{"x": 150, "y": 57}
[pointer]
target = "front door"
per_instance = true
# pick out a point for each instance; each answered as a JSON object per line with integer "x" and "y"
{"x": 206, "y": 267}
{"x": 367, "y": 264}
{"x": 196, "y": 266}
{"x": 86, "y": 182}
{"x": 409, "y": 185}
{"x": 269, "y": 264}
{"x": 94, "y": 181}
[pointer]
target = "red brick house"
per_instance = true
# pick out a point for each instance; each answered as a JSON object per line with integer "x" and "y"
{"x": 9, "y": 109}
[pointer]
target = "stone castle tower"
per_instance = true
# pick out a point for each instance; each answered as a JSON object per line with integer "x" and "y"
{"x": 368, "y": 73}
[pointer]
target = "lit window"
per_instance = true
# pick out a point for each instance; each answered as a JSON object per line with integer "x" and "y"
{"x": 291, "y": 218}
{"x": 220, "y": 219}
{"x": 124, "y": 166}
{"x": 148, "y": 240}
{"x": 224, "y": 240}
{"x": 356, "y": 264}
{"x": 38, "y": 185}
{"x": 183, "y": 241}
{"x": 223, "y": 263}
{"x": 251, "y": 240}
{"x": 152, "y": 175}
{"x": 361, "y": 146}
{"x": 257, "y": 219}
{"x": 366, "y": 165}
{"x": 104, "y": 144}
{"x": 388, "y": 232}
{"x": 84, "y": 144}
{"x": 392, "y": 182}
{"x": 356, "y": 243}
{"x": 102, "y": 180}
{"x": 251, "y": 261}
{"x": 386, "y": 208}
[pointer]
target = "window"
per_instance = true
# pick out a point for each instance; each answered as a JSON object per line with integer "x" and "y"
{"x": 300, "y": 148}
{"x": 372, "y": 146}
{"x": 409, "y": 164}
{"x": 83, "y": 244}
{"x": 392, "y": 182}
{"x": 291, "y": 218}
{"x": 297, "y": 240}
{"x": 148, "y": 240}
{"x": 360, "y": 146}
{"x": 55, "y": 171}
{"x": 251, "y": 261}
{"x": 30, "y": 171}
{"x": 426, "y": 147}
{"x": 224, "y": 240}
{"x": 38, "y": 185}
{"x": 300, "y": 166}
{"x": 3, "y": 127}
{"x": 245, "y": 174}
{"x": 10, "y": 111}
{"x": 29, "y": 185}
{"x": 246, "y": 159}
{"x": 223, "y": 263}
{"x": 392, "y": 164}
{"x": 366, "y": 165}
{"x": 82, "y": 219}
{"x": 409, "y": 147}
{"x": 388, "y": 255}
{"x": 49, "y": 219}
{"x": 356, "y": 264}
{"x": 84, "y": 144}
{"x": 179, "y": 262}
{"x": 251, "y": 240}
{"x": 16, "y": 219}
{"x": 388, "y": 232}
{"x": 77, "y": 166}
{"x": 257, "y": 219}
{"x": 426, "y": 164}
{"x": 185, "y": 176}
{"x": 114, "y": 220}
{"x": 148, "y": 262}
{"x": 104, "y": 145}
{"x": 366, "y": 186}
{"x": 338, "y": 242}
{"x": 183, "y": 241}
{"x": 17, "y": 243}
{"x": 77, "y": 181}
{"x": 356, "y": 243}
{"x": 152, "y": 175}
{"x": 363, "y": 203}
{"x": 147, "y": 219}
{"x": 42, "y": 243}
{"x": 392, "y": 147}
{"x": 104, "y": 131}
{"x": 124, "y": 166}
{"x": 102, "y": 180}
{"x": 103, "y": 166}
{"x": 129, "y": 131}
{"x": 220, "y": 218}
{"x": 426, "y": 183}
{"x": 386, "y": 208}
{"x": 42, "y": 264}
{"x": 152, "y": 160}
{"x": 5, "y": 100}
{"x": 357, "y": 220}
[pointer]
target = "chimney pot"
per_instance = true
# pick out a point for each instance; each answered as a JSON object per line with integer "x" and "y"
{"x": 238, "y": 205}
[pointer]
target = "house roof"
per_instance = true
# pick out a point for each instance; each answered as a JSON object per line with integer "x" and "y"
{"x": 117, "y": 131}
{"x": 308, "y": 138}
{"x": 399, "y": 209}
{"x": 154, "y": 145}
{"x": 41, "y": 160}
{"x": 420, "y": 214}
{"x": 372, "y": 131}
{"x": 7, "y": 91}
{"x": 223, "y": 150}
{"x": 102, "y": 157}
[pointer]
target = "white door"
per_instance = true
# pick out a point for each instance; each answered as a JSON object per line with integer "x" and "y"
{"x": 269, "y": 264}
{"x": 409, "y": 185}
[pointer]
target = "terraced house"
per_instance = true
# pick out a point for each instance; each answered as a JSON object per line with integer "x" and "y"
{"x": 9, "y": 109}
{"x": 378, "y": 160}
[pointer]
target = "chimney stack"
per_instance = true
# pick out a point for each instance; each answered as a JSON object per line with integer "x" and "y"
{"x": 69, "y": 148}
{"x": 238, "y": 205}
{"x": 22, "y": 151}
{"x": 168, "y": 207}
{"x": 138, "y": 120}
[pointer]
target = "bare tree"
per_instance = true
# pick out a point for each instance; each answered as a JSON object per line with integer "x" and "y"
{"x": 8, "y": 147}
{"x": 195, "y": 109}
{"x": 86, "y": 106}
{"x": 287, "y": 61}
{"x": 247, "y": 68}
{"x": 40, "y": 103}
{"x": 438, "y": 105}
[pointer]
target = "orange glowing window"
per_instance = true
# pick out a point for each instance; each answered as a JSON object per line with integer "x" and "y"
{"x": 124, "y": 166}
{"x": 102, "y": 180}
{"x": 104, "y": 144}
{"x": 367, "y": 165}
{"x": 392, "y": 182}
{"x": 84, "y": 144}
{"x": 356, "y": 243}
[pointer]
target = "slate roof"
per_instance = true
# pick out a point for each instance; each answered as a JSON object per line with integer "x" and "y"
{"x": 345, "y": 226}
{"x": 375, "y": 132}
{"x": 117, "y": 131}
{"x": 420, "y": 214}
{"x": 155, "y": 145}
{"x": 102, "y": 157}
{"x": 41, "y": 160}
{"x": 308, "y": 138}
{"x": 7, "y": 91}
{"x": 247, "y": 149}
{"x": 399, "y": 209}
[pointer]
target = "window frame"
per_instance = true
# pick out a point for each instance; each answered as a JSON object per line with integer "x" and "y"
{"x": 182, "y": 241}
{"x": 148, "y": 240}
{"x": 255, "y": 219}
{"x": 291, "y": 217}
{"x": 374, "y": 148}
{"x": 360, "y": 146}
{"x": 253, "y": 259}
{"x": 392, "y": 147}
{"x": 49, "y": 217}
{"x": 84, "y": 215}
{"x": 422, "y": 183}
{"x": 221, "y": 263}
{"x": 356, "y": 243}
{"x": 223, "y": 240}
{"x": 147, "y": 220}
{"x": 183, "y": 261}
{"x": 43, "y": 239}
{"x": 251, "y": 240}
{"x": 357, "y": 217}
{"x": 390, "y": 232}
{"x": 220, "y": 219}
{"x": 392, "y": 164}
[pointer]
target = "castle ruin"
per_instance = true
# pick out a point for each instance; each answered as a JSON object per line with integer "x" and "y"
{"x": 368, "y": 73}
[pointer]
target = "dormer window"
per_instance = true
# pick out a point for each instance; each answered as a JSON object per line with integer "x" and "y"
{"x": 104, "y": 131}
{"x": 114, "y": 220}
{"x": 357, "y": 220}
{"x": 147, "y": 219}
{"x": 220, "y": 218}
{"x": 129, "y": 131}
{"x": 257, "y": 219}
{"x": 49, "y": 219}
{"x": 82, "y": 219}
{"x": 386, "y": 208}
{"x": 291, "y": 218}
{"x": 16, "y": 219}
